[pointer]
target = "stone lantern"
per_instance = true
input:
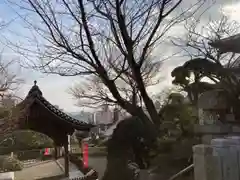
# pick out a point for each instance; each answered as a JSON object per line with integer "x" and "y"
{"x": 212, "y": 108}
{"x": 211, "y": 104}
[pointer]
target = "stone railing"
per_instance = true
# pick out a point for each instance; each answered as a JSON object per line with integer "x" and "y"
{"x": 7, "y": 176}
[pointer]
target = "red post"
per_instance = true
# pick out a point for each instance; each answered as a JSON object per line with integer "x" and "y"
{"x": 46, "y": 152}
{"x": 85, "y": 154}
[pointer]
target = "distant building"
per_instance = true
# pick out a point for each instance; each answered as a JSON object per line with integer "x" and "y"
{"x": 108, "y": 116}
{"x": 105, "y": 118}
{"x": 83, "y": 116}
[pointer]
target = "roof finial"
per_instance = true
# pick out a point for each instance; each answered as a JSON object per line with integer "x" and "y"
{"x": 35, "y": 83}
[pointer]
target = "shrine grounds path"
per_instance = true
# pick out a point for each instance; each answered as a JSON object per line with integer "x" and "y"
{"x": 45, "y": 169}
{"x": 98, "y": 163}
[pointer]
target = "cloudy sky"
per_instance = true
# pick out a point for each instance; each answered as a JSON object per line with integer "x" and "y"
{"x": 55, "y": 87}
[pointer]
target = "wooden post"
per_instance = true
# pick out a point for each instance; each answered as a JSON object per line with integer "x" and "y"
{"x": 55, "y": 152}
{"x": 66, "y": 159}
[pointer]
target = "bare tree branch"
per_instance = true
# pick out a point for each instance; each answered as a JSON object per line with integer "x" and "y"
{"x": 215, "y": 66}
{"x": 111, "y": 41}
{"x": 196, "y": 43}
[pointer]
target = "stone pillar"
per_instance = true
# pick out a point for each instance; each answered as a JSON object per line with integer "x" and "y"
{"x": 203, "y": 162}
{"x": 12, "y": 154}
{"x": 227, "y": 152}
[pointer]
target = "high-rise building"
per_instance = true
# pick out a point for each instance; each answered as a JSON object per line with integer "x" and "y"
{"x": 104, "y": 116}
{"x": 108, "y": 116}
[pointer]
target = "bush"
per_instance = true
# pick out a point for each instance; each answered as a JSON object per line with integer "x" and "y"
{"x": 24, "y": 140}
{"x": 8, "y": 163}
{"x": 25, "y": 155}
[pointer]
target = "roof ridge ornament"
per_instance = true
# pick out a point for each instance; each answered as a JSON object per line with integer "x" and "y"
{"x": 35, "y": 91}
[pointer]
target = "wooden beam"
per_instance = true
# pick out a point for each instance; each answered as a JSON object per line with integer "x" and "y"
{"x": 66, "y": 159}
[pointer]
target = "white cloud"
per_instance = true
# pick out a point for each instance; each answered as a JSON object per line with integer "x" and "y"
{"x": 232, "y": 11}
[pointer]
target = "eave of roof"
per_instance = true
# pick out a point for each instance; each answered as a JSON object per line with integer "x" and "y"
{"x": 35, "y": 95}
{"x": 229, "y": 44}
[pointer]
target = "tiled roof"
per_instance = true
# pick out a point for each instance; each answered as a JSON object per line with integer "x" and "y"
{"x": 229, "y": 44}
{"x": 36, "y": 94}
